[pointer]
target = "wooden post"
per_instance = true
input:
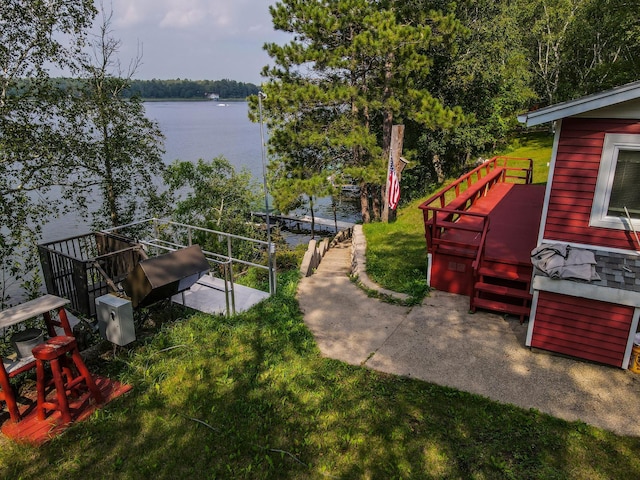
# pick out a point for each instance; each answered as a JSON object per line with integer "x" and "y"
{"x": 395, "y": 152}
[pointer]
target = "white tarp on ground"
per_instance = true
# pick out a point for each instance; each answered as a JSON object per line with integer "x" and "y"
{"x": 562, "y": 261}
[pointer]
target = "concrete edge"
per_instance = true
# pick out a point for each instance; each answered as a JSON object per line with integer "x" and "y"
{"x": 359, "y": 266}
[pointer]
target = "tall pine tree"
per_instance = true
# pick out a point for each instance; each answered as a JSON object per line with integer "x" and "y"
{"x": 352, "y": 70}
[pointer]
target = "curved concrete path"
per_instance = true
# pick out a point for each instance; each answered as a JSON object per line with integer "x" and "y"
{"x": 440, "y": 342}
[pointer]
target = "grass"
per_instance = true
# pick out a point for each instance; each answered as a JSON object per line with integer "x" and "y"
{"x": 396, "y": 252}
{"x": 251, "y": 397}
{"x": 536, "y": 146}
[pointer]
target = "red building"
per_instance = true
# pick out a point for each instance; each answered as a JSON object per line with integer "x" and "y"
{"x": 482, "y": 229}
{"x": 592, "y": 203}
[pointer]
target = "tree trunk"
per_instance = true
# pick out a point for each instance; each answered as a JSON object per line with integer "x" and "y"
{"x": 313, "y": 218}
{"x": 364, "y": 203}
{"x": 376, "y": 192}
{"x": 437, "y": 166}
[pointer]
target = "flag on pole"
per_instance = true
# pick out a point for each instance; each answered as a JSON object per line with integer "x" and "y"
{"x": 393, "y": 186}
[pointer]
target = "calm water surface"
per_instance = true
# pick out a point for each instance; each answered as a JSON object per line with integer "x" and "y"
{"x": 205, "y": 130}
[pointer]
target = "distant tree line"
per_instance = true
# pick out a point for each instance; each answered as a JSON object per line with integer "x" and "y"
{"x": 156, "y": 89}
{"x": 189, "y": 89}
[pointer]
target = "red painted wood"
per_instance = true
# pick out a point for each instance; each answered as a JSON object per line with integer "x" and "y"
{"x": 588, "y": 335}
{"x": 576, "y": 350}
{"x": 582, "y": 328}
{"x": 589, "y": 312}
{"x": 33, "y": 431}
{"x": 576, "y": 171}
{"x": 599, "y": 126}
{"x": 514, "y": 217}
{"x": 569, "y": 180}
{"x": 55, "y": 351}
{"x": 559, "y": 202}
{"x": 580, "y": 343}
{"x": 573, "y": 152}
{"x": 607, "y": 318}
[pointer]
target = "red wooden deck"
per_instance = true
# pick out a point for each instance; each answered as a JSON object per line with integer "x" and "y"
{"x": 514, "y": 212}
{"x": 481, "y": 239}
{"x": 36, "y": 432}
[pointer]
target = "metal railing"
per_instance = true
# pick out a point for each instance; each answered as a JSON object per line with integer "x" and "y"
{"x": 85, "y": 267}
{"x": 166, "y": 235}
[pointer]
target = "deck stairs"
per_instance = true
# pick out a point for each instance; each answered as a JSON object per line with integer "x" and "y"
{"x": 502, "y": 287}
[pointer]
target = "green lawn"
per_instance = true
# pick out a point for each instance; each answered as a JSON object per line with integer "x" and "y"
{"x": 536, "y": 146}
{"x": 251, "y": 397}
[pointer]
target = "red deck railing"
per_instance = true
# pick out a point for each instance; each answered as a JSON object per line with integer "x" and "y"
{"x": 448, "y": 209}
{"x": 463, "y": 251}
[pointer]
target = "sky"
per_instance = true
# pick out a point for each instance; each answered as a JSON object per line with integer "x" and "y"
{"x": 195, "y": 39}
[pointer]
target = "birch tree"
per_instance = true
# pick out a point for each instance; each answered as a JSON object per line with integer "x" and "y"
{"x": 34, "y": 36}
{"x": 117, "y": 151}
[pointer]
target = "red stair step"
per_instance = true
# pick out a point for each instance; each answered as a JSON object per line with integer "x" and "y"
{"x": 506, "y": 274}
{"x": 503, "y": 291}
{"x": 504, "y": 307}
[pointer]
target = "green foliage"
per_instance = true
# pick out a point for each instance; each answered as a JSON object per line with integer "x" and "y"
{"x": 536, "y": 146}
{"x": 251, "y": 397}
{"x": 487, "y": 74}
{"x": 601, "y": 54}
{"x": 353, "y": 69}
{"x": 286, "y": 260}
{"x": 577, "y": 47}
{"x": 33, "y": 148}
{"x": 213, "y": 195}
{"x": 396, "y": 252}
{"x": 115, "y": 148}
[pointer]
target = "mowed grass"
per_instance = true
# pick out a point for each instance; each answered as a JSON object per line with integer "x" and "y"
{"x": 396, "y": 252}
{"x": 250, "y": 397}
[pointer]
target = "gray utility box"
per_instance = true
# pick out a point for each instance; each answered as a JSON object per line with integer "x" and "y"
{"x": 115, "y": 319}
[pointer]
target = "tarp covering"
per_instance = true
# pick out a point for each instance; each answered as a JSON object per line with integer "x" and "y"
{"x": 562, "y": 261}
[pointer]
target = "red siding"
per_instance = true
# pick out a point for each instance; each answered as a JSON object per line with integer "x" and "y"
{"x": 582, "y": 328}
{"x": 574, "y": 180}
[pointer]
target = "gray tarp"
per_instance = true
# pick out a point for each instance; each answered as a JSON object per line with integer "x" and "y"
{"x": 561, "y": 261}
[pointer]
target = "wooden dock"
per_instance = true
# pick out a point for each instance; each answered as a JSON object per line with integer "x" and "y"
{"x": 303, "y": 223}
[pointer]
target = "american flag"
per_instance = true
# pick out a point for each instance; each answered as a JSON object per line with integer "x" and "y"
{"x": 393, "y": 186}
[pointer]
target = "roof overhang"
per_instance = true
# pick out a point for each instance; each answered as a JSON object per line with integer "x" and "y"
{"x": 624, "y": 93}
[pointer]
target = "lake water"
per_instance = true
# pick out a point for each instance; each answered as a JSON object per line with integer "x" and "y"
{"x": 205, "y": 130}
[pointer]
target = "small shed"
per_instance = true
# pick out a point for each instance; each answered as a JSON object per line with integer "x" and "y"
{"x": 591, "y": 204}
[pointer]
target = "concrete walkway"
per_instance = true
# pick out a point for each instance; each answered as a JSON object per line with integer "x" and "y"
{"x": 440, "y": 342}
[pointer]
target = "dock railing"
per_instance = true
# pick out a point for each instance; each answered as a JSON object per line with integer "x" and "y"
{"x": 161, "y": 235}
{"x": 85, "y": 267}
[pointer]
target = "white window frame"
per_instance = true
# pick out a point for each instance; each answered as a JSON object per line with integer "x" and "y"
{"x": 613, "y": 143}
